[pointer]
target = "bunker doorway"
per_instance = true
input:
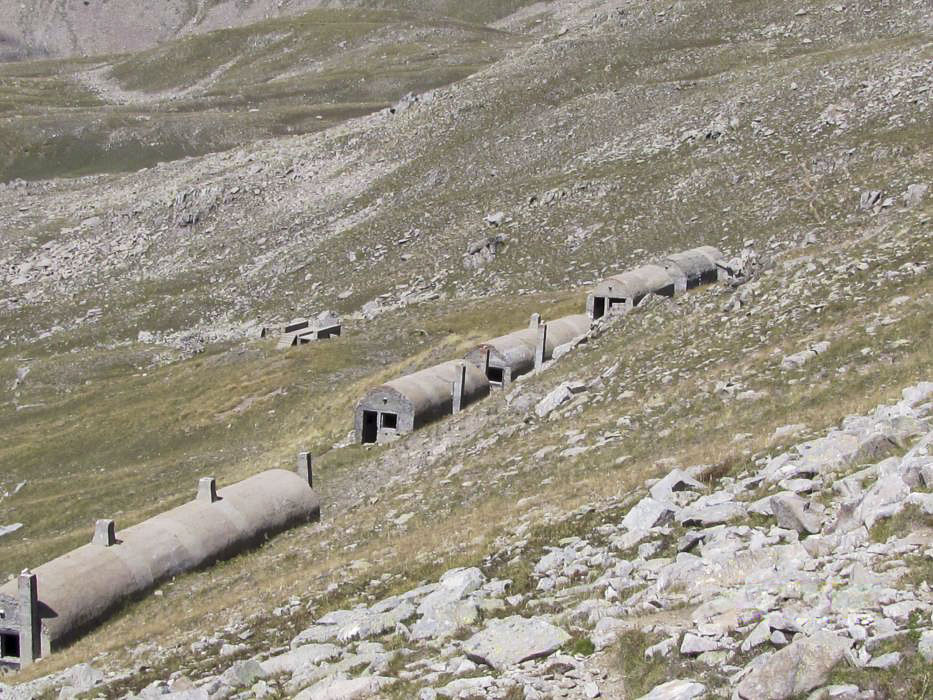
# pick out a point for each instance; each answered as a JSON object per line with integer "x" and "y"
{"x": 370, "y": 426}
{"x": 495, "y": 375}
{"x": 599, "y": 307}
{"x": 9, "y": 645}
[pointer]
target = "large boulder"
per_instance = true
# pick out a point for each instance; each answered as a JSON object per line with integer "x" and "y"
{"x": 509, "y": 641}
{"x": 340, "y": 687}
{"x": 648, "y": 513}
{"x": 798, "y": 668}
{"x": 681, "y": 689}
{"x": 793, "y": 513}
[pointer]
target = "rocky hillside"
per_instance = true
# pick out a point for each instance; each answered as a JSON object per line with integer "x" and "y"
{"x": 735, "y": 480}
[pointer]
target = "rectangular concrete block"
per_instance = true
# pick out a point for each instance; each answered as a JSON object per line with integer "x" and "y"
{"x": 104, "y": 533}
{"x": 305, "y": 462}
{"x": 207, "y": 489}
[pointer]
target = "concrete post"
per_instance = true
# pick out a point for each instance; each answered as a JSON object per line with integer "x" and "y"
{"x": 105, "y": 534}
{"x": 506, "y": 376}
{"x": 540, "y": 346}
{"x": 207, "y": 489}
{"x": 458, "y": 388}
{"x": 29, "y": 646}
{"x": 535, "y": 321}
{"x": 305, "y": 467}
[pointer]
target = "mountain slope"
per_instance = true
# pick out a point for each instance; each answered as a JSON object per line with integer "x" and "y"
{"x": 606, "y": 134}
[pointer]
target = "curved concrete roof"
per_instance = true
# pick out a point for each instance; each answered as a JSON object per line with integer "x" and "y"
{"x": 634, "y": 284}
{"x": 563, "y": 330}
{"x": 80, "y": 587}
{"x": 517, "y": 350}
{"x": 428, "y": 388}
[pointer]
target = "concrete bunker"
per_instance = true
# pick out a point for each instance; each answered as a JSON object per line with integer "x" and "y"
{"x": 693, "y": 267}
{"x": 301, "y": 331}
{"x": 44, "y": 609}
{"x": 507, "y": 357}
{"x": 407, "y": 403}
{"x": 621, "y": 293}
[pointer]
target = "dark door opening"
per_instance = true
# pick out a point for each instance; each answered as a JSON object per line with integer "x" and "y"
{"x": 495, "y": 375}
{"x": 370, "y": 427}
{"x": 599, "y": 307}
{"x": 390, "y": 421}
{"x": 9, "y": 645}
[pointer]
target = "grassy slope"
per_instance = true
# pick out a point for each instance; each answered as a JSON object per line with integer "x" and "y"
{"x": 194, "y": 95}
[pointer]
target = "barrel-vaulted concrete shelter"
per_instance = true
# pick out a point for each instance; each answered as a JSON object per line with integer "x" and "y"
{"x": 63, "y": 598}
{"x": 624, "y": 291}
{"x": 407, "y": 403}
{"x": 693, "y": 267}
{"x": 509, "y": 356}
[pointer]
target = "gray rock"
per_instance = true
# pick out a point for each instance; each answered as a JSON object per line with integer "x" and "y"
{"x": 885, "y": 660}
{"x": 710, "y": 515}
{"x": 868, "y": 199}
{"x": 554, "y": 399}
{"x": 793, "y": 513}
{"x": 467, "y": 687}
{"x": 509, "y": 641}
{"x": 915, "y": 194}
{"x": 682, "y": 689}
{"x": 925, "y": 646}
{"x": 445, "y": 619}
{"x": 306, "y": 655}
{"x": 675, "y": 481}
{"x": 647, "y": 513}
{"x": 694, "y": 645}
{"x": 787, "y": 431}
{"x": 243, "y": 674}
{"x": 798, "y": 668}
{"x": 9, "y": 529}
{"x": 340, "y": 687}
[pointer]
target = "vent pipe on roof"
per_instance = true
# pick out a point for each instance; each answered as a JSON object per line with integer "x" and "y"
{"x": 29, "y": 647}
{"x": 305, "y": 461}
{"x": 535, "y": 321}
{"x": 457, "y": 389}
{"x": 540, "y": 346}
{"x": 207, "y": 489}
{"x": 104, "y": 533}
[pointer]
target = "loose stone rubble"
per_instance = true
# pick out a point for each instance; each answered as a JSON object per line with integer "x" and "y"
{"x": 764, "y": 587}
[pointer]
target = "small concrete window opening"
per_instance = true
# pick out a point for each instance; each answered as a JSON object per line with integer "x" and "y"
{"x": 496, "y": 375}
{"x": 390, "y": 421}
{"x": 9, "y": 645}
{"x": 370, "y": 426}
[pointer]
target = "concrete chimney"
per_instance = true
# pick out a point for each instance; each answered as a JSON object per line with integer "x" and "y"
{"x": 104, "y": 533}
{"x": 540, "y": 346}
{"x": 458, "y": 387}
{"x": 29, "y": 641}
{"x": 305, "y": 461}
{"x": 207, "y": 489}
